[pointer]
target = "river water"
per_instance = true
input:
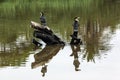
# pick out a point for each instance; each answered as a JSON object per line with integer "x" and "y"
{"x": 96, "y": 59}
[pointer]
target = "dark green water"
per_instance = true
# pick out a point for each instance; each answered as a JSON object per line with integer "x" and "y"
{"x": 99, "y": 31}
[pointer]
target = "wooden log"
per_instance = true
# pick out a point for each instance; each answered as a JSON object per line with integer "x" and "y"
{"x": 48, "y": 39}
{"x": 39, "y": 27}
{"x": 36, "y": 42}
{"x": 45, "y": 34}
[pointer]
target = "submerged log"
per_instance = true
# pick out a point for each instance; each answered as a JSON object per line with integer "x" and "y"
{"x": 45, "y": 34}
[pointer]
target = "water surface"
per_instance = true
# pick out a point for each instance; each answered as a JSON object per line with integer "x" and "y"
{"x": 97, "y": 59}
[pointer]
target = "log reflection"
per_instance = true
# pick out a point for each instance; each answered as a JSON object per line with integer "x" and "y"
{"x": 43, "y": 57}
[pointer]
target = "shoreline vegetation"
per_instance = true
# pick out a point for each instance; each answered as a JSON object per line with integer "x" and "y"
{"x": 18, "y": 8}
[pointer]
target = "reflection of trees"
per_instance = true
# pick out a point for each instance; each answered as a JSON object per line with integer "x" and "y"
{"x": 95, "y": 40}
{"x": 45, "y": 56}
{"x": 14, "y": 42}
{"x": 14, "y": 53}
{"x": 91, "y": 37}
{"x": 10, "y": 30}
{"x": 16, "y": 57}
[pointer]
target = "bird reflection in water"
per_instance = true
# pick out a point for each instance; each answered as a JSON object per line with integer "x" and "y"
{"x": 44, "y": 70}
{"x": 44, "y": 56}
{"x": 75, "y": 51}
